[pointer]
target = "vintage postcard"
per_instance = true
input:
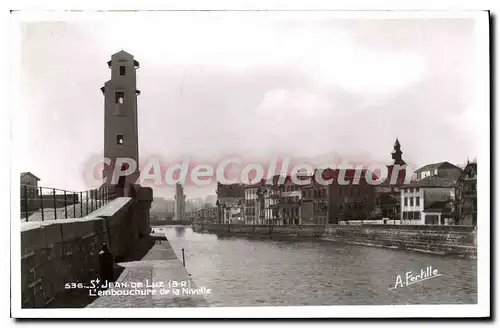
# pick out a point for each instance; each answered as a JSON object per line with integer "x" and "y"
{"x": 250, "y": 164}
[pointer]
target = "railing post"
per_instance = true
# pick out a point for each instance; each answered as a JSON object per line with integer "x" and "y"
{"x": 87, "y": 200}
{"x": 74, "y": 205}
{"x": 65, "y": 206}
{"x": 41, "y": 202}
{"x": 54, "y": 202}
{"x": 26, "y": 202}
{"x": 81, "y": 204}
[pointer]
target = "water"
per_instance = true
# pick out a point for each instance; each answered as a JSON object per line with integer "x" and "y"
{"x": 244, "y": 272}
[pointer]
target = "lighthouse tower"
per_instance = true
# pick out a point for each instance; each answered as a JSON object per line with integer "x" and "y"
{"x": 120, "y": 112}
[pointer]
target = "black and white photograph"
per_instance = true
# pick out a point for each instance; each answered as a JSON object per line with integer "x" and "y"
{"x": 250, "y": 164}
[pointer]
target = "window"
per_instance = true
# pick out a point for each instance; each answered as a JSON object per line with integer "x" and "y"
{"x": 417, "y": 189}
{"x": 417, "y": 201}
{"x": 411, "y": 201}
{"x": 405, "y": 215}
{"x": 119, "y": 97}
{"x": 119, "y": 139}
{"x": 122, "y": 70}
{"x": 406, "y": 201}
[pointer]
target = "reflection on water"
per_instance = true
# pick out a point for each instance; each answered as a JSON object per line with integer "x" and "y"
{"x": 180, "y": 231}
{"x": 246, "y": 272}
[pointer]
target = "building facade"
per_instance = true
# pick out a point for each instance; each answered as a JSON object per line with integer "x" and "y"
{"x": 203, "y": 215}
{"x": 179, "y": 202}
{"x": 441, "y": 169}
{"x": 253, "y": 204}
{"x": 429, "y": 201}
{"x": 314, "y": 204}
{"x": 466, "y": 193}
{"x": 351, "y": 201}
{"x": 29, "y": 192}
{"x": 230, "y": 203}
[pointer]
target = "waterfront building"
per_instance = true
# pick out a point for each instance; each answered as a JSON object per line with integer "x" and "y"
{"x": 466, "y": 195}
{"x": 290, "y": 202}
{"x": 203, "y": 215}
{"x": 254, "y": 202}
{"x": 230, "y": 203}
{"x": 441, "y": 169}
{"x": 429, "y": 201}
{"x": 353, "y": 201}
{"x": 314, "y": 205}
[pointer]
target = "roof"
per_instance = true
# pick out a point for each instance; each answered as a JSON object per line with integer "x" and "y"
{"x": 436, "y": 166}
{"x": 471, "y": 166}
{"x": 122, "y": 53}
{"x": 230, "y": 190}
{"x": 434, "y": 181}
{"x": 31, "y": 174}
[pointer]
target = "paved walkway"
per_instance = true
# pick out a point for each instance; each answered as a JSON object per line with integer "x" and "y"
{"x": 155, "y": 270}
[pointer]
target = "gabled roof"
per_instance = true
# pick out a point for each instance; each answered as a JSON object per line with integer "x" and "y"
{"x": 31, "y": 174}
{"x": 434, "y": 181}
{"x": 122, "y": 53}
{"x": 471, "y": 166}
{"x": 442, "y": 165}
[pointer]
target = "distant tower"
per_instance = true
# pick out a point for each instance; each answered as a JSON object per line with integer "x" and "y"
{"x": 397, "y": 154}
{"x": 180, "y": 202}
{"x": 120, "y": 111}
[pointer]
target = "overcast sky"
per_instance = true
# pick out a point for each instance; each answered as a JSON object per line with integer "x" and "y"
{"x": 252, "y": 84}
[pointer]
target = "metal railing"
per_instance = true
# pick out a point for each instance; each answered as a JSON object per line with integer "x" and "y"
{"x": 43, "y": 203}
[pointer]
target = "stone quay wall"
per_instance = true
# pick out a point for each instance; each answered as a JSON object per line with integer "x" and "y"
{"x": 434, "y": 239}
{"x": 57, "y": 252}
{"x": 310, "y": 231}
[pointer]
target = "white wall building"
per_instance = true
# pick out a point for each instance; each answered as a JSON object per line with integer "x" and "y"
{"x": 431, "y": 204}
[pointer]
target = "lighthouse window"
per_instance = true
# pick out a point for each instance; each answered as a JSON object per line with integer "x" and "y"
{"x": 119, "y": 139}
{"x": 122, "y": 70}
{"x": 119, "y": 97}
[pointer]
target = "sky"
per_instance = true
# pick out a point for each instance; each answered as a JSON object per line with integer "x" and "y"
{"x": 255, "y": 84}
